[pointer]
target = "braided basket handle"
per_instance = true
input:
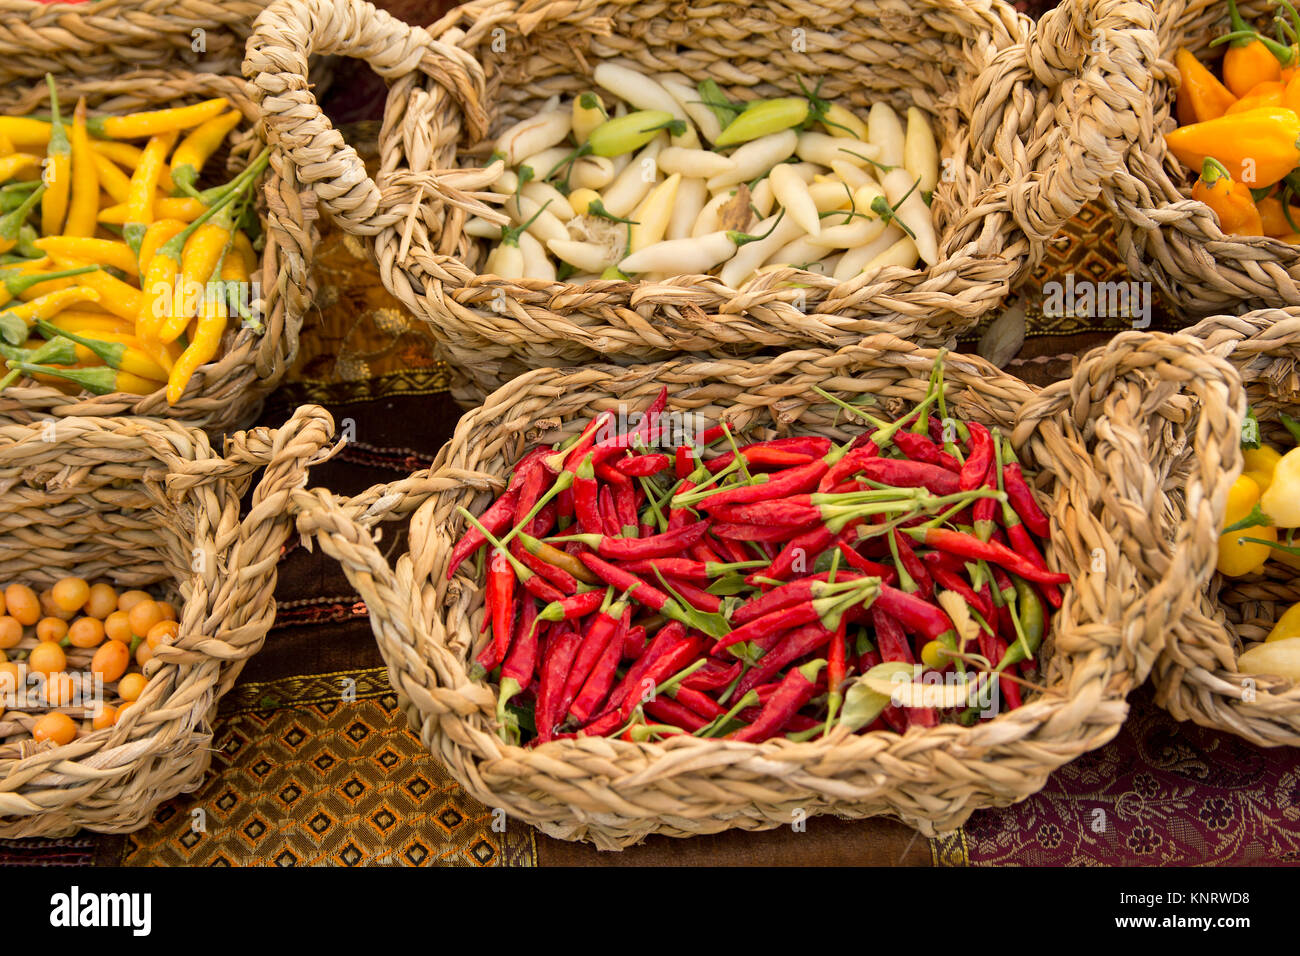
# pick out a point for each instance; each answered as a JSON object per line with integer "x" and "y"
{"x": 287, "y": 33}
{"x": 1118, "y": 396}
{"x": 1096, "y": 55}
{"x": 343, "y": 529}
{"x": 243, "y": 608}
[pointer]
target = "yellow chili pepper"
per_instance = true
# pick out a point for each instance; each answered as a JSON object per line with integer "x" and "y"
{"x": 103, "y": 252}
{"x": 1231, "y": 202}
{"x": 1260, "y": 464}
{"x": 128, "y": 157}
{"x": 144, "y": 183}
{"x": 84, "y": 204}
{"x": 72, "y": 320}
{"x": 1273, "y": 216}
{"x": 1258, "y": 147}
{"x": 140, "y": 125}
{"x": 25, "y": 132}
{"x": 1236, "y": 555}
{"x": 58, "y": 170}
{"x": 98, "y": 381}
{"x": 17, "y": 321}
{"x": 11, "y": 165}
{"x": 1282, "y": 500}
{"x": 1251, "y": 58}
{"x": 118, "y": 351}
{"x": 183, "y": 208}
{"x": 1268, "y": 93}
{"x": 1288, "y": 625}
{"x": 196, "y": 148}
{"x": 200, "y": 259}
{"x": 202, "y": 349}
{"x": 244, "y": 246}
{"x": 159, "y": 231}
{"x": 114, "y": 296}
{"x": 114, "y": 182}
{"x": 6, "y": 145}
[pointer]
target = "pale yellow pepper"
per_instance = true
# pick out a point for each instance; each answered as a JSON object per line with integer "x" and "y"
{"x": 1282, "y": 500}
{"x": 1288, "y": 625}
{"x": 1260, "y": 463}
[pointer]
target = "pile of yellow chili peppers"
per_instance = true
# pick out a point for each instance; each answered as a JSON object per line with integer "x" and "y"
{"x": 110, "y": 251}
{"x": 1264, "y": 500}
{"x": 1241, "y": 133}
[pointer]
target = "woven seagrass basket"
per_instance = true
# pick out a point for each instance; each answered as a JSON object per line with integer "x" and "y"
{"x": 1016, "y": 171}
{"x": 148, "y": 504}
{"x": 1164, "y": 235}
{"x": 1089, "y": 444}
{"x": 227, "y": 392}
{"x": 104, "y": 37}
{"x": 1196, "y": 677}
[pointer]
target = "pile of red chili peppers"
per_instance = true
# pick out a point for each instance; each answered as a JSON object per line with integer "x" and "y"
{"x": 741, "y": 590}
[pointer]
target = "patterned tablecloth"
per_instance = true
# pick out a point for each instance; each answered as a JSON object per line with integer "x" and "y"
{"x": 314, "y": 763}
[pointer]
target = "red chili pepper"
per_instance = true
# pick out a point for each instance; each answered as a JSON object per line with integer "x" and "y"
{"x": 643, "y": 466}
{"x": 913, "y": 565}
{"x": 993, "y": 647}
{"x": 619, "y": 491}
{"x": 836, "y": 663}
{"x": 954, "y": 582}
{"x": 805, "y": 548}
{"x": 969, "y": 546}
{"x": 501, "y": 588}
{"x": 696, "y": 597}
{"x": 608, "y": 514}
{"x": 980, "y": 458}
{"x": 563, "y": 580}
{"x": 572, "y": 457}
{"x": 714, "y": 675}
{"x": 574, "y": 607}
{"x": 921, "y": 448}
{"x": 796, "y": 592}
{"x": 669, "y": 637}
{"x": 893, "y": 646}
{"x": 758, "y": 533}
{"x": 697, "y": 702}
{"x": 683, "y": 463}
{"x": 795, "y": 511}
{"x": 602, "y": 631}
{"x": 670, "y": 712}
{"x": 826, "y": 610}
{"x": 732, "y": 550}
{"x": 561, "y": 648}
{"x": 777, "y": 453}
{"x": 680, "y": 651}
{"x": 850, "y": 464}
{"x": 1024, "y": 545}
{"x": 655, "y": 546}
{"x": 781, "y": 484}
{"x": 865, "y": 565}
{"x": 1021, "y": 498}
{"x": 918, "y": 616}
{"x": 634, "y": 643}
{"x": 683, "y": 568}
{"x": 796, "y": 690}
{"x": 586, "y": 505}
{"x": 904, "y": 473}
{"x": 601, "y": 679}
{"x": 644, "y": 593}
{"x": 564, "y": 508}
{"x": 985, "y": 510}
{"x": 496, "y": 519}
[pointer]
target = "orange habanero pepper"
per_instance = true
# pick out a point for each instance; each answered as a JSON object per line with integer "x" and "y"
{"x": 1231, "y": 201}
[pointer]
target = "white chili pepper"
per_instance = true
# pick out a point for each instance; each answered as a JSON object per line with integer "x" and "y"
{"x": 885, "y": 132}
{"x": 756, "y": 157}
{"x": 710, "y": 215}
{"x": 588, "y": 113}
{"x": 825, "y": 150}
{"x": 797, "y": 253}
{"x": 682, "y": 256}
{"x": 645, "y": 94}
{"x": 761, "y": 196}
{"x": 591, "y": 172}
{"x": 902, "y": 192}
{"x": 544, "y": 225}
{"x": 552, "y": 103}
{"x": 506, "y": 184}
{"x": 584, "y": 256}
{"x": 533, "y": 135}
{"x": 544, "y": 163}
{"x": 849, "y": 235}
{"x": 840, "y": 121}
{"x": 653, "y": 213}
{"x": 506, "y": 261}
{"x": 692, "y": 194}
{"x": 749, "y": 257}
{"x": 792, "y": 193}
{"x": 830, "y": 196}
{"x": 920, "y": 154}
{"x": 541, "y": 193}
{"x": 537, "y": 264}
{"x": 636, "y": 180}
{"x": 855, "y": 176}
{"x": 853, "y": 260}
{"x": 684, "y": 92}
{"x": 901, "y": 253}
{"x": 695, "y": 162}
{"x": 482, "y": 229}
